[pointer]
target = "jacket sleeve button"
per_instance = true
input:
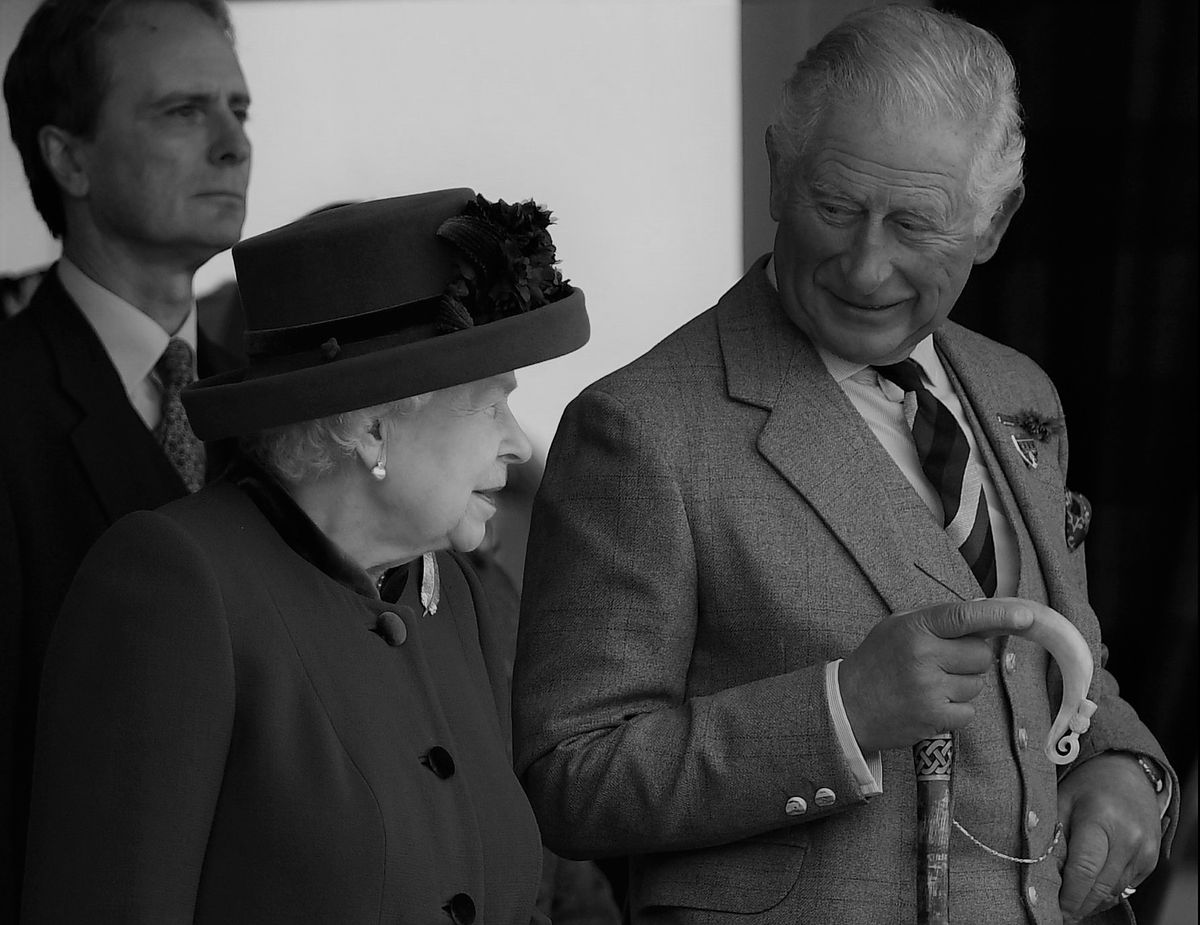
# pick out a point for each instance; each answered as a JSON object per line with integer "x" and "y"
{"x": 795, "y": 806}
{"x": 825, "y": 797}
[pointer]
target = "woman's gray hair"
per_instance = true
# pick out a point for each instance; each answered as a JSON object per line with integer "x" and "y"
{"x": 301, "y": 452}
{"x": 914, "y": 63}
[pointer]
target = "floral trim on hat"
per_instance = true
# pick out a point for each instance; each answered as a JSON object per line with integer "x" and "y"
{"x": 506, "y": 263}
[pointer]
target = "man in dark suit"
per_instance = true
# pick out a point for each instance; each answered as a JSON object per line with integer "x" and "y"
{"x": 809, "y": 530}
{"x": 129, "y": 117}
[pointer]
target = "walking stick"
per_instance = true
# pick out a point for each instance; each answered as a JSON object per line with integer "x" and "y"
{"x": 933, "y": 758}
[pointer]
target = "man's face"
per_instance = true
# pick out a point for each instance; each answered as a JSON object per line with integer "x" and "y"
{"x": 875, "y": 237}
{"x": 169, "y": 163}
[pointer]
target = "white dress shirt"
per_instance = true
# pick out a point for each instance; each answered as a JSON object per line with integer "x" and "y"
{"x": 133, "y": 341}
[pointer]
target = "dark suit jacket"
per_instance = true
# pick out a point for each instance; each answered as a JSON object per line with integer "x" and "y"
{"x": 74, "y": 457}
{"x": 226, "y": 736}
{"x": 716, "y": 523}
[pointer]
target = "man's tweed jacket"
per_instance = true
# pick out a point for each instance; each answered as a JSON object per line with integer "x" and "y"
{"x": 716, "y": 523}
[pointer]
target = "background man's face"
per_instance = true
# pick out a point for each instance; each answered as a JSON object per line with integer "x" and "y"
{"x": 875, "y": 238}
{"x": 169, "y": 163}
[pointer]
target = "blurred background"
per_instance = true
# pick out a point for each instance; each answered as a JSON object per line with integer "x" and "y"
{"x": 640, "y": 124}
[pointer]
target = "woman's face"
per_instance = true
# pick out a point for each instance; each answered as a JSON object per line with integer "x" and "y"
{"x": 446, "y": 461}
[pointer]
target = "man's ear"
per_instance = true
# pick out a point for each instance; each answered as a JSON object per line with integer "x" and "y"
{"x": 62, "y": 155}
{"x": 779, "y": 173}
{"x": 989, "y": 240}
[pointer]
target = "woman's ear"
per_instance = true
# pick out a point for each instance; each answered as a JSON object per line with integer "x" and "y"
{"x": 369, "y": 440}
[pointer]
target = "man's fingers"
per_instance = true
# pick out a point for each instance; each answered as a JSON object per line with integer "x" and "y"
{"x": 1087, "y": 877}
{"x": 965, "y": 656}
{"x": 963, "y": 688}
{"x": 987, "y": 617}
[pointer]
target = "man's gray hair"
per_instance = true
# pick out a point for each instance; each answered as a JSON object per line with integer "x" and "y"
{"x": 302, "y": 452}
{"x": 913, "y": 62}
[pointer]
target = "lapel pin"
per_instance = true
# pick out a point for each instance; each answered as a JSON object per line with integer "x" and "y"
{"x": 1038, "y": 429}
{"x": 1028, "y": 450}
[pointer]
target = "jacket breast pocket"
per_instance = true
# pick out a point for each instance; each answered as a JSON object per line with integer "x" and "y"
{"x": 747, "y": 877}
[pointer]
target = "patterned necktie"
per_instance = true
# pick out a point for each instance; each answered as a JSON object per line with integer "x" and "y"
{"x": 183, "y": 448}
{"x": 943, "y": 451}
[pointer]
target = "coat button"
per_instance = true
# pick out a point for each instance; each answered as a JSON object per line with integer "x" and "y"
{"x": 438, "y": 760}
{"x": 1022, "y": 737}
{"x": 825, "y": 797}
{"x": 461, "y": 908}
{"x": 795, "y": 806}
{"x": 1010, "y": 661}
{"x": 391, "y": 628}
{"x": 1031, "y": 892}
{"x": 1032, "y": 819}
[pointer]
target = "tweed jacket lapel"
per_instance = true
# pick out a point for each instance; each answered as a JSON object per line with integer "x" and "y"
{"x": 991, "y": 389}
{"x": 819, "y": 443}
{"x": 121, "y": 458}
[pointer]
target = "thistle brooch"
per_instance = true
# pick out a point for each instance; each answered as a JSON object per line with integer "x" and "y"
{"x": 1038, "y": 429}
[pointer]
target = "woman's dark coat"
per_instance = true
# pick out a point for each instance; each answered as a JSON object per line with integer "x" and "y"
{"x": 232, "y": 729}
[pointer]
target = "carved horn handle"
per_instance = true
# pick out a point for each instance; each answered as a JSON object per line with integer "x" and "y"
{"x": 1057, "y": 635}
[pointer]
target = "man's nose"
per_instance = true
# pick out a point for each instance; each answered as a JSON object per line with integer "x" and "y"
{"x": 231, "y": 144}
{"x": 867, "y": 262}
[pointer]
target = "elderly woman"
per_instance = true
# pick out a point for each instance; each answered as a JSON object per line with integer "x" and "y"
{"x": 280, "y": 700}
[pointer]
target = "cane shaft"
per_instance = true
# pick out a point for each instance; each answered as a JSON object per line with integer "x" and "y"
{"x": 933, "y": 761}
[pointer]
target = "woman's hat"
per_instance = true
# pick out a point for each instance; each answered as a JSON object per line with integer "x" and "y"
{"x": 367, "y": 303}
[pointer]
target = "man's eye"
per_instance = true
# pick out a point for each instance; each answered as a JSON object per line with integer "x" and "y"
{"x": 912, "y": 224}
{"x": 242, "y": 114}
{"x": 187, "y": 111}
{"x": 834, "y": 210}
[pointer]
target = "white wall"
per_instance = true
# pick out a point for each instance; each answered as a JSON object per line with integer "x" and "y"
{"x": 621, "y": 116}
{"x": 24, "y": 241}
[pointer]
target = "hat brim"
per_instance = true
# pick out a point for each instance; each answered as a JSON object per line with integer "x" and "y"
{"x": 235, "y": 403}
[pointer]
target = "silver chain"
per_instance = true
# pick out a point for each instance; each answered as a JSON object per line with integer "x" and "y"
{"x": 1058, "y": 830}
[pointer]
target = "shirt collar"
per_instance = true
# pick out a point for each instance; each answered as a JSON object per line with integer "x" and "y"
{"x": 132, "y": 339}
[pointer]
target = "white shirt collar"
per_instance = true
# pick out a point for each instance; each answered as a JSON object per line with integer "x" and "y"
{"x": 132, "y": 339}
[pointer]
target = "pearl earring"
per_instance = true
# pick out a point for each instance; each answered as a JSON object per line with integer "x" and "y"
{"x": 379, "y": 470}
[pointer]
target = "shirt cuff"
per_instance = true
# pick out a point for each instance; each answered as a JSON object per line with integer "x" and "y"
{"x": 1162, "y": 781}
{"x": 867, "y": 770}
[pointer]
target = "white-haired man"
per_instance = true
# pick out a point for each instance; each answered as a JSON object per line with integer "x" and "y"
{"x": 788, "y": 543}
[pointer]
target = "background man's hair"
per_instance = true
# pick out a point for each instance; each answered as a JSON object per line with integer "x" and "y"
{"x": 56, "y": 76}
{"x": 914, "y": 63}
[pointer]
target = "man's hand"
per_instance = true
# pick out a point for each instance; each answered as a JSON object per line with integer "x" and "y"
{"x": 1110, "y": 818}
{"x": 916, "y": 673}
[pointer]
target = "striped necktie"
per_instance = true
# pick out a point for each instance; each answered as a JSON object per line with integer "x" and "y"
{"x": 182, "y": 447}
{"x": 944, "y": 454}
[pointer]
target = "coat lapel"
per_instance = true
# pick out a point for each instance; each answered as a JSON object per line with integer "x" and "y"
{"x": 990, "y": 387}
{"x": 819, "y": 443}
{"x": 120, "y": 457}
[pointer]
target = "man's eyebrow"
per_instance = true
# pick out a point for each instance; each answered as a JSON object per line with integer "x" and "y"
{"x": 177, "y": 97}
